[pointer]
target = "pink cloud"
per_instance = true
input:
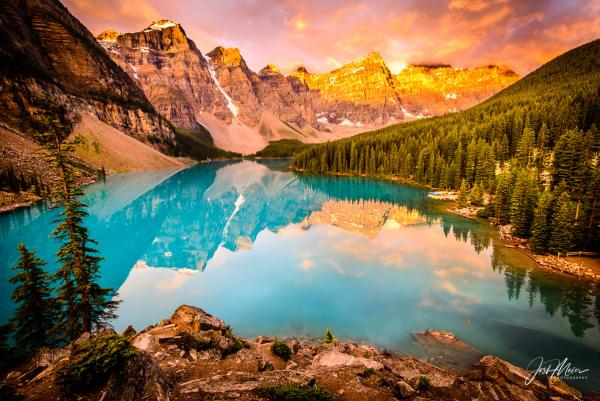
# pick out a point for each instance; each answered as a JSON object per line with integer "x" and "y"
{"x": 519, "y": 33}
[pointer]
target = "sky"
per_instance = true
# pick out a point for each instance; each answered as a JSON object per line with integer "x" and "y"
{"x": 324, "y": 34}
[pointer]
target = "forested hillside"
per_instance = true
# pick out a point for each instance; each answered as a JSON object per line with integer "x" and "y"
{"x": 534, "y": 147}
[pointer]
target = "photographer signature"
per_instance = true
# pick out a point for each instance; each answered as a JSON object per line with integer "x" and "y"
{"x": 553, "y": 367}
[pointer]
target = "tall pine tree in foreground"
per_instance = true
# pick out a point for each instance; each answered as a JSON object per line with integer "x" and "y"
{"x": 85, "y": 305}
{"x": 36, "y": 313}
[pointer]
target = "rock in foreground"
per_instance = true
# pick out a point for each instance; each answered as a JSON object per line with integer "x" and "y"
{"x": 195, "y": 356}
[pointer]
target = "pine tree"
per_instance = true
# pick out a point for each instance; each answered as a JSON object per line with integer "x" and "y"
{"x": 561, "y": 237}
{"x": 540, "y": 229}
{"x": 525, "y": 148}
{"x": 476, "y": 195}
{"x": 36, "y": 313}
{"x": 85, "y": 305}
{"x": 522, "y": 205}
{"x": 462, "y": 194}
{"x": 503, "y": 198}
{"x": 328, "y": 337}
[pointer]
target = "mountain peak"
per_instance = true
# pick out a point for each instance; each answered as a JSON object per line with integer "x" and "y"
{"x": 109, "y": 35}
{"x": 302, "y": 70}
{"x": 373, "y": 57}
{"x": 160, "y": 24}
{"x": 270, "y": 68}
{"x": 228, "y": 56}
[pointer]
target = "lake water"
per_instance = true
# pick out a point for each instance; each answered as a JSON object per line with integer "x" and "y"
{"x": 275, "y": 253}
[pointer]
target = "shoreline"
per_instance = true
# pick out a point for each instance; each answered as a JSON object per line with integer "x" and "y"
{"x": 194, "y": 355}
{"x": 548, "y": 262}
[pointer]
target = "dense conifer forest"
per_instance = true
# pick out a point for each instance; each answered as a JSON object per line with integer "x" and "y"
{"x": 534, "y": 148}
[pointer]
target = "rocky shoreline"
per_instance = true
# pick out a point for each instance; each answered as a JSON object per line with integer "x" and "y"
{"x": 195, "y": 356}
{"x": 547, "y": 262}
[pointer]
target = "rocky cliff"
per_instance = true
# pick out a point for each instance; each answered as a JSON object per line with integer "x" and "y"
{"x": 359, "y": 93}
{"x": 438, "y": 89}
{"x": 244, "y": 109}
{"x": 365, "y": 92}
{"x": 170, "y": 70}
{"x": 52, "y": 69}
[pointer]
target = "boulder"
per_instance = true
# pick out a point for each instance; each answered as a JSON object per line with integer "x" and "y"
{"x": 13, "y": 375}
{"x": 294, "y": 345}
{"x": 337, "y": 359}
{"x": 405, "y": 389}
{"x": 146, "y": 342}
{"x": 129, "y": 332}
{"x": 193, "y": 319}
{"x": 560, "y": 388}
{"x": 263, "y": 340}
{"x": 164, "y": 333}
{"x": 140, "y": 379}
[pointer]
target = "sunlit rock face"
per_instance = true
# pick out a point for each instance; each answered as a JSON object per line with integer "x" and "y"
{"x": 53, "y": 66}
{"x": 361, "y": 92}
{"x": 363, "y": 216}
{"x": 365, "y": 92}
{"x": 253, "y": 94}
{"x": 188, "y": 89}
{"x": 171, "y": 71}
{"x": 438, "y": 89}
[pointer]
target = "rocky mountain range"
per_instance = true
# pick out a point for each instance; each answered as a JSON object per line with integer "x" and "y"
{"x": 220, "y": 92}
{"x": 142, "y": 85}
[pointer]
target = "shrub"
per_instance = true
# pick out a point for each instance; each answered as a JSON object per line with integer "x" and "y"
{"x": 328, "y": 337}
{"x": 423, "y": 383}
{"x": 291, "y": 392}
{"x": 281, "y": 349}
{"x": 206, "y": 340}
{"x": 92, "y": 363}
{"x": 238, "y": 343}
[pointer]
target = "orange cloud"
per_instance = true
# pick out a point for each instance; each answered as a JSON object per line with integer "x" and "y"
{"x": 322, "y": 34}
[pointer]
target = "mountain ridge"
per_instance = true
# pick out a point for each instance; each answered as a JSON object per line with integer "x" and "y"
{"x": 320, "y": 107}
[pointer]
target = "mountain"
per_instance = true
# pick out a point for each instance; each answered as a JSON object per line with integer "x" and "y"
{"x": 170, "y": 70}
{"x": 359, "y": 93}
{"x": 437, "y": 89}
{"x": 222, "y": 94}
{"x": 242, "y": 110}
{"x": 539, "y": 133}
{"x": 51, "y": 67}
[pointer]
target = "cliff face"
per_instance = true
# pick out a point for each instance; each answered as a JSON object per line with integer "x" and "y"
{"x": 365, "y": 92}
{"x": 439, "y": 89}
{"x": 53, "y": 68}
{"x": 359, "y": 93}
{"x": 170, "y": 70}
{"x": 252, "y": 93}
{"x": 244, "y": 109}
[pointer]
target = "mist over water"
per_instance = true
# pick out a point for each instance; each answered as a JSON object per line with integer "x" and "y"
{"x": 275, "y": 253}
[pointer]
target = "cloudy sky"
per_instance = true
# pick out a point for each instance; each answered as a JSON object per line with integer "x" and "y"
{"x": 323, "y": 34}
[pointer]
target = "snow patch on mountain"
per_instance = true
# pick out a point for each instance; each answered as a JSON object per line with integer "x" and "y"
{"x": 230, "y": 105}
{"x": 159, "y": 25}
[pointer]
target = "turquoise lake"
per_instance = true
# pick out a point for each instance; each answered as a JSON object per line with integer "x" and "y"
{"x": 275, "y": 253}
